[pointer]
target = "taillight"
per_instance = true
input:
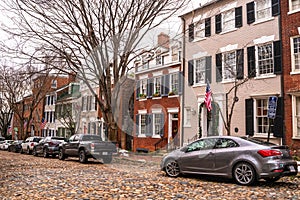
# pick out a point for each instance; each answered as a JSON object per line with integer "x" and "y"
{"x": 269, "y": 152}
{"x": 32, "y": 144}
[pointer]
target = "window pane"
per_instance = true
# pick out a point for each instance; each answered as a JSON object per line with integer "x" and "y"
{"x": 229, "y": 20}
{"x": 295, "y": 4}
{"x": 261, "y": 116}
{"x": 263, "y": 9}
{"x": 200, "y": 29}
{"x": 143, "y": 124}
{"x": 200, "y": 71}
{"x": 296, "y": 47}
{"x": 265, "y": 59}
{"x": 229, "y": 65}
{"x": 157, "y": 123}
{"x": 174, "y": 83}
{"x": 157, "y": 85}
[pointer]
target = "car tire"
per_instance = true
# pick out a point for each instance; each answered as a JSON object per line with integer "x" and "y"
{"x": 21, "y": 151}
{"x": 82, "y": 156}
{"x": 244, "y": 173}
{"x": 28, "y": 151}
{"x": 34, "y": 153}
{"x": 45, "y": 153}
{"x": 272, "y": 179}
{"x": 61, "y": 155}
{"x": 107, "y": 159}
{"x": 172, "y": 168}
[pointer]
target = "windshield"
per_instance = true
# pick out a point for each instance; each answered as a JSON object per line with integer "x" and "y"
{"x": 258, "y": 141}
{"x": 91, "y": 138}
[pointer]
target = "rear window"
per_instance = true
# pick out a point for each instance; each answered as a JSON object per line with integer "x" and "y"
{"x": 91, "y": 138}
{"x": 258, "y": 141}
{"x": 36, "y": 139}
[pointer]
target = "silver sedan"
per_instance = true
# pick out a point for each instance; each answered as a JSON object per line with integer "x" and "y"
{"x": 244, "y": 159}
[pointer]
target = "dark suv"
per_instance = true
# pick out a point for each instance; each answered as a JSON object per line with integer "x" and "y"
{"x": 48, "y": 146}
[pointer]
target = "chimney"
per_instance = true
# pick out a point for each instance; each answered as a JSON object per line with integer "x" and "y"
{"x": 163, "y": 40}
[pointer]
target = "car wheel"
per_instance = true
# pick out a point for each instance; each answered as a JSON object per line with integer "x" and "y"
{"x": 34, "y": 152}
{"x": 28, "y": 151}
{"x": 107, "y": 159}
{"x": 21, "y": 151}
{"x": 244, "y": 174}
{"x": 61, "y": 155}
{"x": 45, "y": 153}
{"x": 273, "y": 179}
{"x": 82, "y": 156}
{"x": 172, "y": 168}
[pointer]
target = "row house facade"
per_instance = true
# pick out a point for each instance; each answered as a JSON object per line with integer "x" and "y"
{"x": 290, "y": 18}
{"x": 157, "y": 96}
{"x": 230, "y": 44}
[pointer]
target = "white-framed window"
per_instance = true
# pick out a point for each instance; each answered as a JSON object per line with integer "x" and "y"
{"x": 265, "y": 65}
{"x": 199, "y": 75}
{"x": 294, "y": 5}
{"x": 143, "y": 87}
{"x": 228, "y": 21}
{"x": 157, "y": 124}
{"x": 263, "y": 9}
{"x": 200, "y": 29}
{"x": 296, "y": 116}
{"x": 157, "y": 86}
{"x": 174, "y": 83}
{"x": 295, "y": 48}
{"x": 261, "y": 118}
{"x": 229, "y": 65}
{"x": 143, "y": 124}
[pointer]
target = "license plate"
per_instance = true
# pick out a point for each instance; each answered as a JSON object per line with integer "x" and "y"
{"x": 292, "y": 168}
{"x": 104, "y": 153}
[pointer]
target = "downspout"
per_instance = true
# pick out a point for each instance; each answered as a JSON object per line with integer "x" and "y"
{"x": 183, "y": 83}
{"x": 282, "y": 79}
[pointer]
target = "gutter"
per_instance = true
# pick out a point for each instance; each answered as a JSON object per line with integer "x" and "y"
{"x": 183, "y": 83}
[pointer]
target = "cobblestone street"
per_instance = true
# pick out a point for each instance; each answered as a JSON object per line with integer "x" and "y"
{"x": 28, "y": 177}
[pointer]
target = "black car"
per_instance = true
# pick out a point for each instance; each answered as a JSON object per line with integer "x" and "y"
{"x": 15, "y": 146}
{"x": 48, "y": 146}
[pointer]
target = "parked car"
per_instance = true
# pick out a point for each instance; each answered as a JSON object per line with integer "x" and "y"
{"x": 28, "y": 144}
{"x": 48, "y": 146}
{"x": 5, "y": 144}
{"x": 87, "y": 146}
{"x": 244, "y": 159}
{"x": 15, "y": 146}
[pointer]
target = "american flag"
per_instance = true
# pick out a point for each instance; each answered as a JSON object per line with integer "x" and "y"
{"x": 208, "y": 97}
{"x": 43, "y": 123}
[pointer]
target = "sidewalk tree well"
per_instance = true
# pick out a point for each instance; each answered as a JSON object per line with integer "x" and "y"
{"x": 96, "y": 39}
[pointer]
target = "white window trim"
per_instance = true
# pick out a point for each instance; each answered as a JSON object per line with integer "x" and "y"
{"x": 223, "y": 68}
{"x": 256, "y": 133}
{"x": 194, "y": 72}
{"x": 294, "y": 122}
{"x": 293, "y": 70}
{"x": 290, "y": 8}
{"x": 269, "y": 75}
{"x": 155, "y": 112}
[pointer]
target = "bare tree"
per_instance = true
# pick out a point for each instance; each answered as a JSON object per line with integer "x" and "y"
{"x": 96, "y": 39}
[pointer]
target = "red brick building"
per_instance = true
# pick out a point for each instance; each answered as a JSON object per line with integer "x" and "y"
{"x": 290, "y": 30}
{"x": 158, "y": 93}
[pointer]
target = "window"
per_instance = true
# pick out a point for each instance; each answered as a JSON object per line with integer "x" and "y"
{"x": 295, "y": 54}
{"x": 54, "y": 84}
{"x": 143, "y": 124}
{"x": 157, "y": 124}
{"x": 187, "y": 117}
{"x": 294, "y": 5}
{"x": 200, "y": 66}
{"x": 263, "y": 9}
{"x": 265, "y": 59}
{"x": 174, "y": 83}
{"x": 228, "y": 20}
{"x": 200, "y": 29}
{"x": 229, "y": 66}
{"x": 157, "y": 86}
{"x": 262, "y": 121}
{"x": 143, "y": 88}
{"x": 296, "y": 116}
{"x": 158, "y": 60}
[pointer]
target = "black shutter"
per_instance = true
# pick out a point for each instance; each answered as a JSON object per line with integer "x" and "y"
{"x": 191, "y": 32}
{"x": 238, "y": 17}
{"x": 208, "y": 68}
{"x": 249, "y": 117}
{"x": 240, "y": 64}
{"x": 167, "y": 85}
{"x": 96, "y": 102}
{"x": 251, "y": 62}
{"x": 137, "y": 123}
{"x": 162, "y": 122}
{"x": 207, "y": 27}
{"x": 218, "y": 19}
{"x": 278, "y": 121}
{"x": 218, "y": 67}
{"x": 149, "y": 125}
{"x": 275, "y": 7}
{"x": 180, "y": 84}
{"x": 137, "y": 92}
{"x": 250, "y": 13}
{"x": 277, "y": 57}
{"x": 191, "y": 72}
{"x": 149, "y": 88}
